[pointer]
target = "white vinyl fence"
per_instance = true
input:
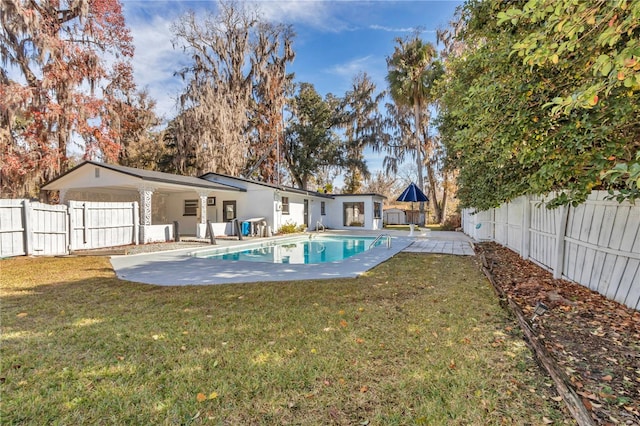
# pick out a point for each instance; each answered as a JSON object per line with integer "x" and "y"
{"x": 32, "y": 228}
{"x": 596, "y": 244}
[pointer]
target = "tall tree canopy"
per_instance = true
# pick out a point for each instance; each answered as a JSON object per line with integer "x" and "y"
{"x": 64, "y": 68}
{"x": 311, "y": 144}
{"x": 363, "y": 127}
{"x": 413, "y": 69}
{"x": 235, "y": 56}
{"x": 543, "y": 96}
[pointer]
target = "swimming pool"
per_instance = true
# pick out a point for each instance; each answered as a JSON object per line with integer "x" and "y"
{"x": 305, "y": 250}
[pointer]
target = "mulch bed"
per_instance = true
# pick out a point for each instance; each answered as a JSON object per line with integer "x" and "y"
{"x": 594, "y": 341}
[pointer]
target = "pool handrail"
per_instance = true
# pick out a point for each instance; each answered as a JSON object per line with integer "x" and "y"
{"x": 380, "y": 237}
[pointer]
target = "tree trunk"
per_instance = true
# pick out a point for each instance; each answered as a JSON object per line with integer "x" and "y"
{"x": 418, "y": 124}
{"x": 432, "y": 192}
{"x": 432, "y": 182}
{"x": 445, "y": 185}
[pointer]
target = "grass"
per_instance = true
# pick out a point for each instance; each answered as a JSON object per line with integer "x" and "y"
{"x": 420, "y": 339}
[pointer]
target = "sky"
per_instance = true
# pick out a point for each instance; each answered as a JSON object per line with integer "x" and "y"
{"x": 335, "y": 40}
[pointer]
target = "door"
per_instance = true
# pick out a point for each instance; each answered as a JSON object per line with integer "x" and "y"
{"x": 306, "y": 213}
{"x": 229, "y": 210}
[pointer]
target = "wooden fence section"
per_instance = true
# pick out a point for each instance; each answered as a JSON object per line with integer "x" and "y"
{"x": 47, "y": 229}
{"x": 98, "y": 225}
{"x": 32, "y": 228}
{"x": 596, "y": 244}
{"x": 12, "y": 228}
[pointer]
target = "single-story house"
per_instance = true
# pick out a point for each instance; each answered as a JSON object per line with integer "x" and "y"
{"x": 165, "y": 198}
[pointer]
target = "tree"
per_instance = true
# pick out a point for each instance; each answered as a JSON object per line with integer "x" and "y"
{"x": 235, "y": 55}
{"x": 506, "y": 124}
{"x": 362, "y": 124}
{"x": 142, "y": 147}
{"x": 608, "y": 71}
{"x": 383, "y": 184}
{"x": 310, "y": 143}
{"x": 412, "y": 70}
{"x": 266, "y": 123}
{"x": 60, "y": 59}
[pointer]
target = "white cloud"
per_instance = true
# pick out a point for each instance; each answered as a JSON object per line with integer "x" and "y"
{"x": 155, "y": 59}
{"x": 400, "y": 29}
{"x": 391, "y": 29}
{"x": 353, "y": 67}
{"x": 316, "y": 14}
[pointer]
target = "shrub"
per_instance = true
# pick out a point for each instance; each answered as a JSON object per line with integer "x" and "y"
{"x": 290, "y": 227}
{"x": 452, "y": 222}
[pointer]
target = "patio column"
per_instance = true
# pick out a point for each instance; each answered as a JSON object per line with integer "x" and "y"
{"x": 201, "y": 230}
{"x": 62, "y": 195}
{"x": 146, "y": 193}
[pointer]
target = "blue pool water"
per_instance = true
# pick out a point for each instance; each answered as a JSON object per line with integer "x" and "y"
{"x": 302, "y": 250}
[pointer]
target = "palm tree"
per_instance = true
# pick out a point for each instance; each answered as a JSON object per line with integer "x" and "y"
{"x": 412, "y": 69}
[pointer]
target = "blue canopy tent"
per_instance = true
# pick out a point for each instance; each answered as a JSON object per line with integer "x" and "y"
{"x": 412, "y": 194}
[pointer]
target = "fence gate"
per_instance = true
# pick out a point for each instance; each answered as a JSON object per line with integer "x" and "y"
{"x": 98, "y": 225}
{"x": 49, "y": 233}
{"x": 32, "y": 228}
{"x": 12, "y": 228}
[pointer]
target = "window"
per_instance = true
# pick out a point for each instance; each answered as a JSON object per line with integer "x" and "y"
{"x": 353, "y": 214}
{"x": 211, "y": 201}
{"x": 190, "y": 208}
{"x": 377, "y": 210}
{"x": 229, "y": 210}
{"x": 285, "y": 205}
{"x": 323, "y": 212}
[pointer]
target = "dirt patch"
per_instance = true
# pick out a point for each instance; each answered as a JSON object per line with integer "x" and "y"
{"x": 141, "y": 248}
{"x": 595, "y": 341}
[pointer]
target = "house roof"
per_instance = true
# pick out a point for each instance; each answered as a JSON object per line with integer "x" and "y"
{"x": 150, "y": 176}
{"x": 212, "y": 177}
{"x": 369, "y": 194}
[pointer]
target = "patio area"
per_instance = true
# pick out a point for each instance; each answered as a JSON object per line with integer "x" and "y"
{"x": 180, "y": 267}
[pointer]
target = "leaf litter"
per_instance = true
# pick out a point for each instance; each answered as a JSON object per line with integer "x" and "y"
{"x": 594, "y": 340}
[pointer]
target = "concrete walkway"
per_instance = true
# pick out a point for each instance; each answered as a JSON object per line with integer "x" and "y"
{"x": 444, "y": 242}
{"x": 180, "y": 267}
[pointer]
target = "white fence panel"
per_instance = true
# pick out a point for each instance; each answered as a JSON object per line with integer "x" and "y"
{"x": 49, "y": 229}
{"x": 501, "y": 224}
{"x": 514, "y": 224}
{"x": 542, "y": 231}
{"x": 596, "y": 244}
{"x": 97, "y": 225}
{"x": 12, "y": 228}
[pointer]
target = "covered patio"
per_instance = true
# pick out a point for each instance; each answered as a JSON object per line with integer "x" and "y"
{"x": 163, "y": 198}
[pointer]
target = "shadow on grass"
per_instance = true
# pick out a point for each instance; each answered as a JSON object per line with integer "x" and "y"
{"x": 419, "y": 339}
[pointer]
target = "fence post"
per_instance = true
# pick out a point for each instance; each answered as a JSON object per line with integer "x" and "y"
{"x": 27, "y": 218}
{"x": 72, "y": 224}
{"x": 67, "y": 223}
{"x": 136, "y": 223}
{"x": 526, "y": 224}
{"x": 562, "y": 214}
{"x": 85, "y": 224}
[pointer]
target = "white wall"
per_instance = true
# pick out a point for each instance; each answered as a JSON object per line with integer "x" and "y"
{"x": 335, "y": 209}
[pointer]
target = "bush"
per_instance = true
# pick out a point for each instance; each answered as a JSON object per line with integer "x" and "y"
{"x": 290, "y": 227}
{"x": 452, "y": 222}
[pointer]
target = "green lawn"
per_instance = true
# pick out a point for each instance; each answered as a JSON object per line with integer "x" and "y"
{"x": 420, "y": 339}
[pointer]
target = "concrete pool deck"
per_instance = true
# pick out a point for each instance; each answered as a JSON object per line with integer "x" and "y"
{"x": 178, "y": 267}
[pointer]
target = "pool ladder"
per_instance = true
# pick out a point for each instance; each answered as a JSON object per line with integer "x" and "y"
{"x": 319, "y": 225}
{"x": 379, "y": 237}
